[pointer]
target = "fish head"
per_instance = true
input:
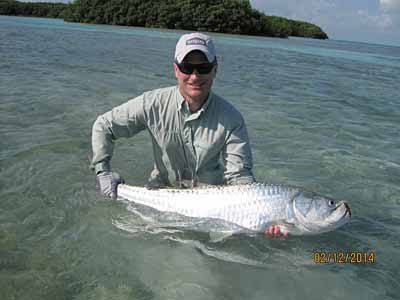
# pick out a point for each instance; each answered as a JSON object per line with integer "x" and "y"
{"x": 313, "y": 214}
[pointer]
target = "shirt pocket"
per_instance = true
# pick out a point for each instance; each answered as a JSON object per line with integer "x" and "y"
{"x": 167, "y": 140}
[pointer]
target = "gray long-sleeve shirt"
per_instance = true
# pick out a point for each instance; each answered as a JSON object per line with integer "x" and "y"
{"x": 210, "y": 145}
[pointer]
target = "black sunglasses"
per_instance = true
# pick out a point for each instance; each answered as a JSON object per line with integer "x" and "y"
{"x": 188, "y": 68}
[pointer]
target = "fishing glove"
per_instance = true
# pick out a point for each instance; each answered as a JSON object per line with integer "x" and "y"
{"x": 107, "y": 182}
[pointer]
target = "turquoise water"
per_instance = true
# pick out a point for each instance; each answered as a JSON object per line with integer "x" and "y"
{"x": 324, "y": 115}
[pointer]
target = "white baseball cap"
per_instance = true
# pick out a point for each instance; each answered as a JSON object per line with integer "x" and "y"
{"x": 195, "y": 41}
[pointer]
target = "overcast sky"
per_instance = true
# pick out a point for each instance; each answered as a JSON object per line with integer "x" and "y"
{"x": 375, "y": 21}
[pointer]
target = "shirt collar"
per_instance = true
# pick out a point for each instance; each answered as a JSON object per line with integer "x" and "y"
{"x": 183, "y": 106}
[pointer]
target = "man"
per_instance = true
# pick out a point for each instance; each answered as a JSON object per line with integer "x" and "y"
{"x": 196, "y": 134}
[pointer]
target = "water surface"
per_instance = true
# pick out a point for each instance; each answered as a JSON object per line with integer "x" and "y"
{"x": 321, "y": 114}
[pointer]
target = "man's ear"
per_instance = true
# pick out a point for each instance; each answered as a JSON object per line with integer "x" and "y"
{"x": 176, "y": 70}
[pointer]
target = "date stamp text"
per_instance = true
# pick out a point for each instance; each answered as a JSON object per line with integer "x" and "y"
{"x": 338, "y": 257}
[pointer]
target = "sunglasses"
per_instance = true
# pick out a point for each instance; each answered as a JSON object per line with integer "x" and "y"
{"x": 187, "y": 68}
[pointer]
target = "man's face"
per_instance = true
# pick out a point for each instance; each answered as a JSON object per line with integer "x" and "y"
{"x": 195, "y": 86}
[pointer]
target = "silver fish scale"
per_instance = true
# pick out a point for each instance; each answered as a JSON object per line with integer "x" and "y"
{"x": 250, "y": 206}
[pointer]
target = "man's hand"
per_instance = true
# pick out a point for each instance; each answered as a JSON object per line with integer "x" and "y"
{"x": 107, "y": 182}
{"x": 275, "y": 230}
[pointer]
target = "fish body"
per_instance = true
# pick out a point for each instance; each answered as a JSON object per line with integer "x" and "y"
{"x": 252, "y": 207}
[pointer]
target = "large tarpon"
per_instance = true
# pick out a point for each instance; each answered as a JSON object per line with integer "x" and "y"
{"x": 252, "y": 207}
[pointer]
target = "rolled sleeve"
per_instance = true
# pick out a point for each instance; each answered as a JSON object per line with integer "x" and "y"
{"x": 125, "y": 120}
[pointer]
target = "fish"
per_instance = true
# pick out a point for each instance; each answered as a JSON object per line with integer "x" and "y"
{"x": 248, "y": 208}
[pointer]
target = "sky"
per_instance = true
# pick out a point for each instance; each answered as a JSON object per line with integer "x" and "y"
{"x": 372, "y": 21}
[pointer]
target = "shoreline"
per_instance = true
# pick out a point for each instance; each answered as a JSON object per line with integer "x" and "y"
{"x": 235, "y": 17}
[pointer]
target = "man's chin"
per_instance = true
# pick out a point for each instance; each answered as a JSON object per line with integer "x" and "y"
{"x": 196, "y": 93}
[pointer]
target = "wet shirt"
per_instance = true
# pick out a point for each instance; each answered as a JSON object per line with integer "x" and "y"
{"x": 210, "y": 145}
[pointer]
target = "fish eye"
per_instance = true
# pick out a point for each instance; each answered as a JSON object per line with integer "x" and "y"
{"x": 331, "y": 202}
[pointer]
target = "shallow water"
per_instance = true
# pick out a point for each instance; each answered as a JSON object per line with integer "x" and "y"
{"x": 321, "y": 114}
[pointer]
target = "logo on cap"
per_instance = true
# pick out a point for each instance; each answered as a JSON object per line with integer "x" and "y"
{"x": 196, "y": 41}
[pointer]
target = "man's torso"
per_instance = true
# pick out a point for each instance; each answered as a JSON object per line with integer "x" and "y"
{"x": 188, "y": 146}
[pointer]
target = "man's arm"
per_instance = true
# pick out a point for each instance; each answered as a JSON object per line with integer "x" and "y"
{"x": 122, "y": 121}
{"x": 237, "y": 157}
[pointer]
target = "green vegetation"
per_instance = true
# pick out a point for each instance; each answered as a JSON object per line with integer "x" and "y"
{"x": 224, "y": 16}
{"x": 305, "y": 29}
{"x": 42, "y": 9}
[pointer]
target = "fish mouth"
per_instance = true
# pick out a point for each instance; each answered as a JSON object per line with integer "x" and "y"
{"x": 341, "y": 204}
{"x": 340, "y": 213}
{"x": 348, "y": 210}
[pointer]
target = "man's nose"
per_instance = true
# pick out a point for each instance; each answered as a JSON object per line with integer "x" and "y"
{"x": 195, "y": 73}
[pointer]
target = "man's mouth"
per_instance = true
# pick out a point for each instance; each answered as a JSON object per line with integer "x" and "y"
{"x": 196, "y": 85}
